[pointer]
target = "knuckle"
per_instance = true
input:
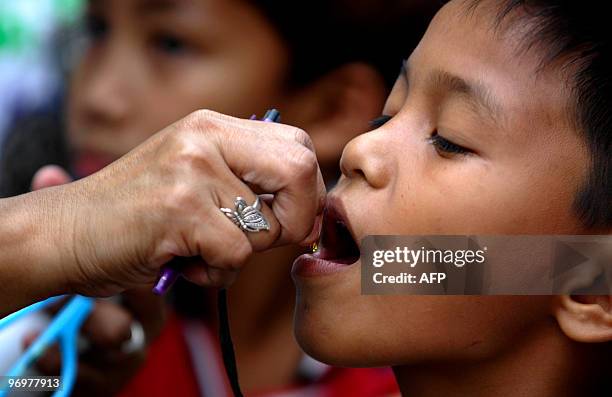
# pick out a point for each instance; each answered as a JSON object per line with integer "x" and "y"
{"x": 202, "y": 121}
{"x": 302, "y": 137}
{"x": 184, "y": 146}
{"x": 241, "y": 252}
{"x": 202, "y": 117}
{"x": 304, "y": 164}
{"x": 188, "y": 158}
{"x": 195, "y": 153}
{"x": 180, "y": 198}
{"x": 232, "y": 256}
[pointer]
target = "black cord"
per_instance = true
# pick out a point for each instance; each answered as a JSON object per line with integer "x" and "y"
{"x": 227, "y": 346}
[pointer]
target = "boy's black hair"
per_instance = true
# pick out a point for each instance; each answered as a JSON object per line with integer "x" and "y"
{"x": 322, "y": 35}
{"x": 576, "y": 35}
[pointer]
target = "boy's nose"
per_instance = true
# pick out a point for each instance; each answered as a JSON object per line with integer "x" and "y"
{"x": 368, "y": 157}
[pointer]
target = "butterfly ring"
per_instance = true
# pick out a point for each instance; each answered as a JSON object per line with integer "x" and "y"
{"x": 247, "y": 217}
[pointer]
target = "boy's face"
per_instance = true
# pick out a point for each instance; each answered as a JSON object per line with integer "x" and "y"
{"x": 480, "y": 143}
{"x": 151, "y": 62}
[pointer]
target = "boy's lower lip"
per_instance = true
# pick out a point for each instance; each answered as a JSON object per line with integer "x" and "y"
{"x": 310, "y": 265}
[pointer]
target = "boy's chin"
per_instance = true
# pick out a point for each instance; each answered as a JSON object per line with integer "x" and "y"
{"x": 323, "y": 346}
{"x": 330, "y": 341}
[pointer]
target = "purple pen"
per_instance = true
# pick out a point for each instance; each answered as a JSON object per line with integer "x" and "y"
{"x": 170, "y": 272}
{"x": 168, "y": 276}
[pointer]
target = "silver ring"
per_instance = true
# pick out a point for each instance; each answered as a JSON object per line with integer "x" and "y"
{"x": 247, "y": 217}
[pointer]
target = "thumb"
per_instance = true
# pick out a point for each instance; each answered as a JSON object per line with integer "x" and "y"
{"x": 50, "y": 175}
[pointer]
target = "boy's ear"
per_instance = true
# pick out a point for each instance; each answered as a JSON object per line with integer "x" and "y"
{"x": 585, "y": 318}
{"x": 337, "y": 107}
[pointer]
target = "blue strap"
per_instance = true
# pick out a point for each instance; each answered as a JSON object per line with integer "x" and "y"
{"x": 64, "y": 329}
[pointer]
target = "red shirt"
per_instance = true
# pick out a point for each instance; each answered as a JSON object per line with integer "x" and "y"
{"x": 171, "y": 369}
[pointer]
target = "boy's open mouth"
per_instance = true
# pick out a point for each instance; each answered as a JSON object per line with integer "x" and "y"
{"x": 336, "y": 243}
{"x": 337, "y": 249}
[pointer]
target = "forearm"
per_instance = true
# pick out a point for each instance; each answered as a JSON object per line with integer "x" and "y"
{"x": 31, "y": 248}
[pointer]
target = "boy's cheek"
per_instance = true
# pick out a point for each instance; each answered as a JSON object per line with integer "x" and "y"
{"x": 485, "y": 204}
{"x": 408, "y": 329}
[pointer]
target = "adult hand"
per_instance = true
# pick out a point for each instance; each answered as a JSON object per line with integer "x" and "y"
{"x": 115, "y": 229}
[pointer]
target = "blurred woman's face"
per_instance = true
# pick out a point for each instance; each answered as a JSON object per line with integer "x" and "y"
{"x": 151, "y": 62}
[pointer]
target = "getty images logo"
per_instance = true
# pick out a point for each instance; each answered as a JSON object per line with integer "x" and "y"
{"x": 412, "y": 257}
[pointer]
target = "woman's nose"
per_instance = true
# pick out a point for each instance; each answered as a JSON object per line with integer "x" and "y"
{"x": 368, "y": 157}
{"x": 107, "y": 88}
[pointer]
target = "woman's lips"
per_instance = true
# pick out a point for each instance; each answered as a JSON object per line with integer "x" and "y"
{"x": 336, "y": 248}
{"x": 87, "y": 162}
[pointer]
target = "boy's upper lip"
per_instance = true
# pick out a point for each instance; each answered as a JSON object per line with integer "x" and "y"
{"x": 335, "y": 209}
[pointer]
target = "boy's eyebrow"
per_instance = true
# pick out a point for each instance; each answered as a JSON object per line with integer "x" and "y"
{"x": 476, "y": 92}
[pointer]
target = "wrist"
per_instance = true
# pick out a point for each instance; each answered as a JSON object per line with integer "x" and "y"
{"x": 29, "y": 268}
{"x": 51, "y": 239}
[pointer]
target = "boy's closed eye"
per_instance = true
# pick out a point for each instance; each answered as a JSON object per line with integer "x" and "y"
{"x": 445, "y": 147}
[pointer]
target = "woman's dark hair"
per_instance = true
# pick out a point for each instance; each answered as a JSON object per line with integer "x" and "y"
{"x": 576, "y": 35}
{"x": 34, "y": 141}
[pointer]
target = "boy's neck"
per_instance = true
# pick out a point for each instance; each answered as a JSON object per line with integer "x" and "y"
{"x": 540, "y": 364}
{"x": 261, "y": 315}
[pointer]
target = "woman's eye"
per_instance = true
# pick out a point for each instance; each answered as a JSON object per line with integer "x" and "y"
{"x": 446, "y": 148}
{"x": 96, "y": 27}
{"x": 170, "y": 44}
{"x": 380, "y": 121}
